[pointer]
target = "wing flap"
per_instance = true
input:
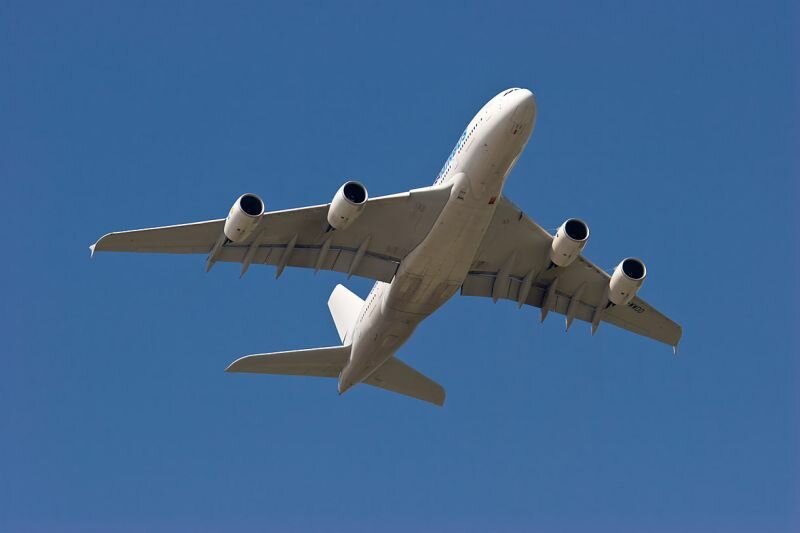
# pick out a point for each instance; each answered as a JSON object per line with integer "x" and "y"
{"x": 371, "y": 266}
{"x": 631, "y": 317}
{"x": 396, "y": 376}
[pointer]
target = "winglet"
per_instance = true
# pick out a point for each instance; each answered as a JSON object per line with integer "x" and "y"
{"x": 91, "y": 250}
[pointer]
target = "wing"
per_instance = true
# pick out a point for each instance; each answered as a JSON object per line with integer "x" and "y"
{"x": 512, "y": 263}
{"x": 372, "y": 247}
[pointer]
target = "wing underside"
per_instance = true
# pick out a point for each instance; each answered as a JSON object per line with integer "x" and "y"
{"x": 513, "y": 263}
{"x": 387, "y": 230}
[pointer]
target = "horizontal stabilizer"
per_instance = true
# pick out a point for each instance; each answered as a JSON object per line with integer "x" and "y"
{"x": 393, "y": 375}
{"x": 322, "y": 362}
{"x": 396, "y": 376}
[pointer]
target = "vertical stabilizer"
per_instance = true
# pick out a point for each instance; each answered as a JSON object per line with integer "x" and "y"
{"x": 344, "y": 306}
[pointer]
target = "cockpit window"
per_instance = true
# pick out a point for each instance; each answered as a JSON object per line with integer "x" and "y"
{"x": 509, "y": 91}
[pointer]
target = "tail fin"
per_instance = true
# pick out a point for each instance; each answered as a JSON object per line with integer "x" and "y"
{"x": 344, "y": 306}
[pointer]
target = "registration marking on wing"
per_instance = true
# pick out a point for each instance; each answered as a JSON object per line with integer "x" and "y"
{"x": 638, "y": 308}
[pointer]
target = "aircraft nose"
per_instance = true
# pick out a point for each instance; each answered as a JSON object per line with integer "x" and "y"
{"x": 524, "y": 94}
{"x": 523, "y": 114}
{"x": 526, "y": 102}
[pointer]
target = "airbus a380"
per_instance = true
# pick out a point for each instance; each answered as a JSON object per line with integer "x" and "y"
{"x": 420, "y": 247}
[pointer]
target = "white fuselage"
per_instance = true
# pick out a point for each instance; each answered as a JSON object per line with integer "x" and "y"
{"x": 476, "y": 171}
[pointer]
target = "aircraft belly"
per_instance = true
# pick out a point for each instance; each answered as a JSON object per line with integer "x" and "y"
{"x": 434, "y": 271}
{"x": 377, "y": 339}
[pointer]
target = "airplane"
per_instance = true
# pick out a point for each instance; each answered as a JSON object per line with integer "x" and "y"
{"x": 420, "y": 247}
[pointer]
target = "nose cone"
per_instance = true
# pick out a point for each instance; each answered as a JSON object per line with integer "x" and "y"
{"x": 525, "y": 104}
{"x": 521, "y": 113}
{"x": 521, "y": 94}
{"x": 514, "y": 97}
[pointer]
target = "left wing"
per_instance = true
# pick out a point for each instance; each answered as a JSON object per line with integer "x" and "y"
{"x": 512, "y": 263}
{"x": 372, "y": 247}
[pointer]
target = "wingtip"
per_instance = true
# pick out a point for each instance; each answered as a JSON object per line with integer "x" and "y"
{"x": 677, "y": 339}
{"x": 438, "y": 399}
{"x": 435, "y": 399}
{"x": 232, "y": 365}
{"x": 93, "y": 247}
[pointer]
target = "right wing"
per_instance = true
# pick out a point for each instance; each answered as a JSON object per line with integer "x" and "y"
{"x": 372, "y": 247}
{"x": 512, "y": 263}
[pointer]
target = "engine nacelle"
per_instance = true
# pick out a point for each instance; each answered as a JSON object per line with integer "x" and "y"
{"x": 243, "y": 217}
{"x": 347, "y": 205}
{"x": 626, "y": 280}
{"x": 569, "y": 241}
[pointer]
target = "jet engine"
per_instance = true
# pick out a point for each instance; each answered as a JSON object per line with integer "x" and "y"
{"x": 243, "y": 217}
{"x": 626, "y": 280}
{"x": 347, "y": 205}
{"x": 569, "y": 241}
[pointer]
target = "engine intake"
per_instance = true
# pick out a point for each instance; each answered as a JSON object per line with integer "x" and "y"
{"x": 570, "y": 239}
{"x": 347, "y": 205}
{"x": 243, "y": 217}
{"x": 626, "y": 281}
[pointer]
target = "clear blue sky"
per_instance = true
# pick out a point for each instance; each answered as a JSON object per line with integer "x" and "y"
{"x": 672, "y": 129}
